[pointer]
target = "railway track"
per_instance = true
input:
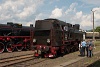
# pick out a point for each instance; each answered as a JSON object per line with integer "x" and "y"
{"x": 30, "y": 61}
{"x": 17, "y": 59}
{"x": 20, "y": 60}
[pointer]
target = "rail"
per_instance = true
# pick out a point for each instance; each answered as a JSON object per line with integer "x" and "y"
{"x": 17, "y": 59}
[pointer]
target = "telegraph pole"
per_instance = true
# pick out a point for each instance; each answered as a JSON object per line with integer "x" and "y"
{"x": 93, "y": 24}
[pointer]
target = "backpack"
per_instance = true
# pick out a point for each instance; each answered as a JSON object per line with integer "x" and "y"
{"x": 90, "y": 48}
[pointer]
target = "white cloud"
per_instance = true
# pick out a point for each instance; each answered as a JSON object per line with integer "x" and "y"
{"x": 3, "y": 17}
{"x": 71, "y": 8}
{"x": 79, "y": 17}
{"x": 79, "y": 14}
{"x": 27, "y": 11}
{"x": 28, "y": 23}
{"x": 39, "y": 16}
{"x": 82, "y": 19}
{"x": 18, "y": 11}
{"x": 86, "y": 21}
{"x": 0, "y": 8}
{"x": 56, "y": 13}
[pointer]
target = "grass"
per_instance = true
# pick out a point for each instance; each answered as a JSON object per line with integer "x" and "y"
{"x": 95, "y": 64}
{"x": 97, "y": 43}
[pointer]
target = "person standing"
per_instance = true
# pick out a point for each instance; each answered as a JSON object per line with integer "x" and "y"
{"x": 83, "y": 47}
{"x": 87, "y": 47}
{"x": 90, "y": 52}
{"x": 80, "y": 48}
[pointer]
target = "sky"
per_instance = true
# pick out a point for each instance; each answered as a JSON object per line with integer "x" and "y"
{"x": 27, "y": 12}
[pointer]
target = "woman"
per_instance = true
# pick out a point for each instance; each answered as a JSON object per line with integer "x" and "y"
{"x": 90, "y": 52}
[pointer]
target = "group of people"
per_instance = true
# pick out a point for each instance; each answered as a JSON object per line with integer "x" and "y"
{"x": 86, "y": 46}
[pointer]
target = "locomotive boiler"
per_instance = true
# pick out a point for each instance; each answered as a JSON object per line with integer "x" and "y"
{"x": 53, "y": 37}
{"x": 15, "y": 36}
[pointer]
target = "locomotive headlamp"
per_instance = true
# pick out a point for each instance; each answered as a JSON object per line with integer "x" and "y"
{"x": 48, "y": 40}
{"x": 34, "y": 40}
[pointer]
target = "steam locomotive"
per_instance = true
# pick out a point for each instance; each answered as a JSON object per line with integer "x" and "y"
{"x": 15, "y": 36}
{"x": 49, "y": 37}
{"x": 53, "y": 37}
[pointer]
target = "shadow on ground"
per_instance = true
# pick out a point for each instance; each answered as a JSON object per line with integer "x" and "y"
{"x": 95, "y": 64}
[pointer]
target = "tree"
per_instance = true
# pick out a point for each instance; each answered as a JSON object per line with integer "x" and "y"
{"x": 97, "y": 29}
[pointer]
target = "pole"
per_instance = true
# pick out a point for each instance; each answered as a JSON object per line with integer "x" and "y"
{"x": 93, "y": 29}
{"x": 93, "y": 26}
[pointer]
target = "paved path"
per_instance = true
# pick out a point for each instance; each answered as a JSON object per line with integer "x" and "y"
{"x": 73, "y": 61}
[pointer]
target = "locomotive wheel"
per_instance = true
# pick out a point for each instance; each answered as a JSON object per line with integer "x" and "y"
{"x": 27, "y": 47}
{"x": 65, "y": 51}
{"x": 72, "y": 49}
{"x": 55, "y": 56}
{"x": 9, "y": 47}
{"x": 19, "y": 47}
{"x": 1, "y": 47}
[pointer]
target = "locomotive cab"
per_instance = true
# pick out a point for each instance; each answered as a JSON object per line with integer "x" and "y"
{"x": 44, "y": 32}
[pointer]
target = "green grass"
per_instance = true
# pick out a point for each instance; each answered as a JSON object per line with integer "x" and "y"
{"x": 96, "y": 64}
{"x": 97, "y": 43}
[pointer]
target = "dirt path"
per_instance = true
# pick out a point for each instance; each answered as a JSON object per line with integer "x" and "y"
{"x": 83, "y": 61}
{"x": 87, "y": 62}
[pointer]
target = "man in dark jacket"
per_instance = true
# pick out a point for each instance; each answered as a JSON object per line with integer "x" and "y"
{"x": 87, "y": 47}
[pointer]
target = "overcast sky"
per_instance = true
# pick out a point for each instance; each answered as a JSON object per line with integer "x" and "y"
{"x": 71, "y": 11}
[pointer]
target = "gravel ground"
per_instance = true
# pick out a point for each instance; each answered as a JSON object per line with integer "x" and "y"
{"x": 87, "y": 62}
{"x": 46, "y": 62}
{"x": 13, "y": 54}
{"x": 41, "y": 62}
{"x": 57, "y": 61}
{"x": 67, "y": 58}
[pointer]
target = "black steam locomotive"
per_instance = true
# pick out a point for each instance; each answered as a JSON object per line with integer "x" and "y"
{"x": 53, "y": 37}
{"x": 49, "y": 37}
{"x": 15, "y": 36}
